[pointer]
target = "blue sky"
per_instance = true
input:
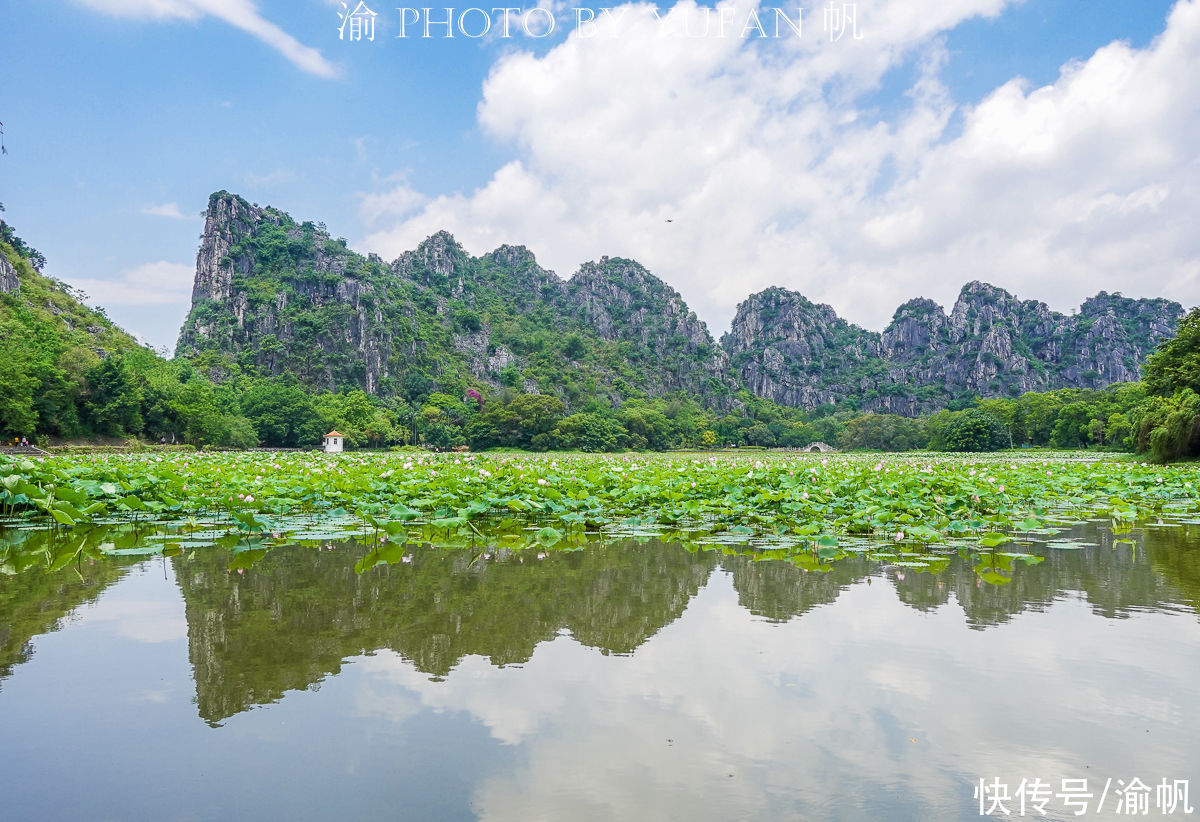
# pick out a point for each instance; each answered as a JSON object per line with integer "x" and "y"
{"x": 946, "y": 144}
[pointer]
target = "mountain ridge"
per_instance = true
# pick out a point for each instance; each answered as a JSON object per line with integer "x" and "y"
{"x": 989, "y": 344}
{"x": 285, "y": 297}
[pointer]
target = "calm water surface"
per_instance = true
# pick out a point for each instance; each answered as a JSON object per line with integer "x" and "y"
{"x": 629, "y": 681}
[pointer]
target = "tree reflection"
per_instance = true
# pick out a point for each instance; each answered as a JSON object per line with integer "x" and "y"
{"x": 258, "y": 629}
{"x": 300, "y": 612}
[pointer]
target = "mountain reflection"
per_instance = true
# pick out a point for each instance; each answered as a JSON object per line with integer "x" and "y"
{"x": 296, "y": 614}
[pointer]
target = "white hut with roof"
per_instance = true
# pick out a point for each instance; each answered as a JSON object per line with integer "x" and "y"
{"x": 333, "y": 442}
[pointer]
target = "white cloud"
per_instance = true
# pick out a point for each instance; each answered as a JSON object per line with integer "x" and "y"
{"x": 800, "y": 723}
{"x": 166, "y": 210}
{"x": 157, "y": 283}
{"x": 140, "y": 609}
{"x": 398, "y": 201}
{"x": 240, "y": 13}
{"x": 774, "y": 170}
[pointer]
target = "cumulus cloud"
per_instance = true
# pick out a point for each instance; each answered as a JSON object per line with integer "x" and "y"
{"x": 398, "y": 201}
{"x": 156, "y": 283}
{"x": 774, "y": 168}
{"x": 242, "y": 14}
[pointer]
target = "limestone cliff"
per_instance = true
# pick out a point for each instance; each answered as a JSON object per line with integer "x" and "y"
{"x": 623, "y": 302}
{"x": 991, "y": 344}
{"x": 9, "y": 282}
{"x": 284, "y": 298}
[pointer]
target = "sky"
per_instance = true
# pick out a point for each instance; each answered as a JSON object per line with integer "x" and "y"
{"x": 887, "y": 150}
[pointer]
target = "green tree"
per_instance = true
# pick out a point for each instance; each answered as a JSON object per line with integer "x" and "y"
{"x": 1074, "y": 427}
{"x": 1008, "y": 412}
{"x": 882, "y": 432}
{"x": 758, "y": 434}
{"x": 1037, "y": 414}
{"x": 535, "y": 414}
{"x": 1169, "y": 427}
{"x": 17, "y": 385}
{"x": 588, "y": 432}
{"x": 1168, "y": 424}
{"x": 114, "y": 398}
{"x": 1118, "y": 429}
{"x": 282, "y": 412}
{"x": 645, "y": 426}
{"x": 974, "y": 430}
{"x": 361, "y": 418}
{"x": 1175, "y": 365}
{"x": 574, "y": 347}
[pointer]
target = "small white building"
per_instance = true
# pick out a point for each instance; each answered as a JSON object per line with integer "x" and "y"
{"x": 333, "y": 442}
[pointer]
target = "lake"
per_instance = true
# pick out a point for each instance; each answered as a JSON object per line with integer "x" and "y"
{"x": 630, "y": 680}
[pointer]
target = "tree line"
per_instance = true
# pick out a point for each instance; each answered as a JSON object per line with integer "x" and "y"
{"x": 135, "y": 393}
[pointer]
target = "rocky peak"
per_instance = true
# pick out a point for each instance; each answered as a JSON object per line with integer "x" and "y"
{"x": 292, "y": 300}
{"x": 616, "y": 293}
{"x": 288, "y": 299}
{"x": 438, "y": 260}
{"x": 991, "y": 344}
{"x": 521, "y": 265}
{"x": 1102, "y": 303}
{"x": 628, "y": 275}
{"x": 512, "y": 256}
{"x": 623, "y": 302}
{"x": 1146, "y": 312}
{"x": 979, "y": 306}
{"x": 914, "y": 326}
{"x": 921, "y": 308}
{"x": 227, "y": 219}
{"x": 788, "y": 348}
{"x": 779, "y": 314}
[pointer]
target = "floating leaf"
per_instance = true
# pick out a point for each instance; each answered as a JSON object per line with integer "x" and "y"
{"x": 548, "y": 536}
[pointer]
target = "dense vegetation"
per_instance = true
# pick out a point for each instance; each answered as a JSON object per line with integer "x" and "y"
{"x": 66, "y": 372}
{"x": 820, "y": 499}
{"x": 276, "y": 297}
{"x": 52, "y": 376}
{"x": 1169, "y": 423}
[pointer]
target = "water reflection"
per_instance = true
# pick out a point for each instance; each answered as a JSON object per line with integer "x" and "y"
{"x": 292, "y": 619}
{"x": 36, "y": 602}
{"x": 633, "y": 679}
{"x": 297, "y": 613}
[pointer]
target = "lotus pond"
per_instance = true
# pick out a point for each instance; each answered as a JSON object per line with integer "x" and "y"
{"x": 809, "y": 502}
{"x": 513, "y": 637}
